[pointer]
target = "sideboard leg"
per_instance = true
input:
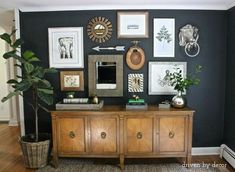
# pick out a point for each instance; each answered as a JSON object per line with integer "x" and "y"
{"x": 189, "y": 160}
{"x": 122, "y": 166}
{"x": 55, "y": 161}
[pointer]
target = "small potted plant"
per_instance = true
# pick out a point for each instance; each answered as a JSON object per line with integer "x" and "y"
{"x": 181, "y": 84}
{"x": 35, "y": 147}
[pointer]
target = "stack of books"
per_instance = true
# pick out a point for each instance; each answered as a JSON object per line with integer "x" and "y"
{"x": 136, "y": 104}
{"x": 75, "y": 100}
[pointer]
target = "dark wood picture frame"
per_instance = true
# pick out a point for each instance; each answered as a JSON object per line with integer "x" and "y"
{"x": 72, "y": 80}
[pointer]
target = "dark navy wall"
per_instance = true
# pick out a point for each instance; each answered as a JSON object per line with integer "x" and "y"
{"x": 207, "y": 99}
{"x": 229, "y": 122}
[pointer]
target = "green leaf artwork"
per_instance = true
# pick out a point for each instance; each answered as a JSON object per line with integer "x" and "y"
{"x": 163, "y": 35}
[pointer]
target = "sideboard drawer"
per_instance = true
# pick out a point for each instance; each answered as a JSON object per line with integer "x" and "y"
{"x": 104, "y": 132}
{"x": 71, "y": 135}
{"x": 139, "y": 135}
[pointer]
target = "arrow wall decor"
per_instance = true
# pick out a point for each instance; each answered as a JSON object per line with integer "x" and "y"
{"x": 117, "y": 48}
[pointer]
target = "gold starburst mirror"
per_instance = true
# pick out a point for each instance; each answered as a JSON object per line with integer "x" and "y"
{"x": 99, "y": 29}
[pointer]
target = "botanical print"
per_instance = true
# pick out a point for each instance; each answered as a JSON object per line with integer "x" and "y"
{"x": 159, "y": 77}
{"x": 71, "y": 81}
{"x": 135, "y": 82}
{"x": 164, "y": 38}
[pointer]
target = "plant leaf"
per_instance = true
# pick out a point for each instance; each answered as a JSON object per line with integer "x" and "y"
{"x": 28, "y": 67}
{"x": 28, "y": 55}
{"x": 18, "y": 43}
{"x": 34, "y": 59}
{"x": 23, "y": 85}
{"x": 50, "y": 70}
{"x": 6, "y": 37}
{"x": 47, "y": 98}
{"x": 13, "y": 55}
{"x": 10, "y": 95}
{"x": 46, "y": 91}
{"x": 12, "y": 81}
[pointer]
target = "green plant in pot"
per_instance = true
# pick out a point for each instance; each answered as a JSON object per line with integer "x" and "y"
{"x": 181, "y": 84}
{"x": 35, "y": 147}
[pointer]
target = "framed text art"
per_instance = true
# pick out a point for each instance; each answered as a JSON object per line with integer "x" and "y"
{"x": 66, "y": 47}
{"x": 71, "y": 81}
{"x": 159, "y": 78}
{"x": 164, "y": 37}
{"x": 132, "y": 25}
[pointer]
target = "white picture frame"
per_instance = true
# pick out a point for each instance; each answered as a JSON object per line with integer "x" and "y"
{"x": 164, "y": 37}
{"x": 135, "y": 82}
{"x": 132, "y": 24}
{"x": 66, "y": 47}
{"x": 158, "y": 82}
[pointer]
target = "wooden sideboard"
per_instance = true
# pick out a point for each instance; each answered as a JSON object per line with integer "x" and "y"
{"x": 114, "y": 131}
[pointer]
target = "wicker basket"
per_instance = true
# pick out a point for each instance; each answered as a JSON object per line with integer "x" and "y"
{"x": 35, "y": 153}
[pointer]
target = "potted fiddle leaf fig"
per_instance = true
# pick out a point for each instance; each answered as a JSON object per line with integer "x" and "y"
{"x": 35, "y": 146}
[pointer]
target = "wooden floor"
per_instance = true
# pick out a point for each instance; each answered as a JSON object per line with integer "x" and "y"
{"x": 11, "y": 156}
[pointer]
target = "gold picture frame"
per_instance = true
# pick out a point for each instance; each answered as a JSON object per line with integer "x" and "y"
{"x": 99, "y": 29}
{"x": 72, "y": 81}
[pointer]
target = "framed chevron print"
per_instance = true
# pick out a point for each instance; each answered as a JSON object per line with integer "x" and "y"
{"x": 135, "y": 83}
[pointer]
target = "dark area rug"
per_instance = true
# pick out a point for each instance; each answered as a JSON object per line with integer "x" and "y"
{"x": 86, "y": 165}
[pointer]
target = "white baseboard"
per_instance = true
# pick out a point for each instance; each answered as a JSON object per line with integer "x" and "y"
{"x": 13, "y": 123}
{"x": 206, "y": 151}
{"x": 4, "y": 118}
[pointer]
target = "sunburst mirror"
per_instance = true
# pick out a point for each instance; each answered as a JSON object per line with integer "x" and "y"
{"x": 99, "y": 29}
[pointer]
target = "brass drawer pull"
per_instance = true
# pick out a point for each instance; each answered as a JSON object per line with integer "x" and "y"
{"x": 103, "y": 135}
{"x": 171, "y": 134}
{"x": 139, "y": 135}
{"x": 71, "y": 134}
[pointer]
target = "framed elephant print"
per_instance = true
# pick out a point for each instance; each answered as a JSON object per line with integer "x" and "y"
{"x": 66, "y": 47}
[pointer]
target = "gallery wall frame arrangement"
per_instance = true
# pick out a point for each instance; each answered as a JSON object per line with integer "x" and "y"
{"x": 132, "y": 24}
{"x": 99, "y": 29}
{"x": 164, "y": 37}
{"x": 72, "y": 80}
{"x": 135, "y": 82}
{"x": 159, "y": 82}
{"x": 66, "y": 47}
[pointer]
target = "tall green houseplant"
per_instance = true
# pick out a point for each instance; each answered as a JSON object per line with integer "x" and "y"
{"x": 32, "y": 79}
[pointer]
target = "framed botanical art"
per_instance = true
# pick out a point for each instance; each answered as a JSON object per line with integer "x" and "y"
{"x": 132, "y": 24}
{"x": 71, "y": 81}
{"x": 159, "y": 82}
{"x": 135, "y": 82}
{"x": 66, "y": 47}
{"x": 164, "y": 37}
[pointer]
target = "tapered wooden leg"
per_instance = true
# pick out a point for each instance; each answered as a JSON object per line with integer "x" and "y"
{"x": 121, "y": 162}
{"x": 55, "y": 161}
{"x": 189, "y": 160}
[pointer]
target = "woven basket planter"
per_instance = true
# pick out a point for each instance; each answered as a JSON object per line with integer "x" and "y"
{"x": 35, "y": 154}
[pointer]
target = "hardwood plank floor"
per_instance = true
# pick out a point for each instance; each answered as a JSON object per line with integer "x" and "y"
{"x": 11, "y": 157}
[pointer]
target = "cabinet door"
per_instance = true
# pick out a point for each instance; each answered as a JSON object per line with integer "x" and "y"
{"x": 71, "y": 135}
{"x": 139, "y": 135}
{"x": 172, "y": 134}
{"x": 104, "y": 133}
